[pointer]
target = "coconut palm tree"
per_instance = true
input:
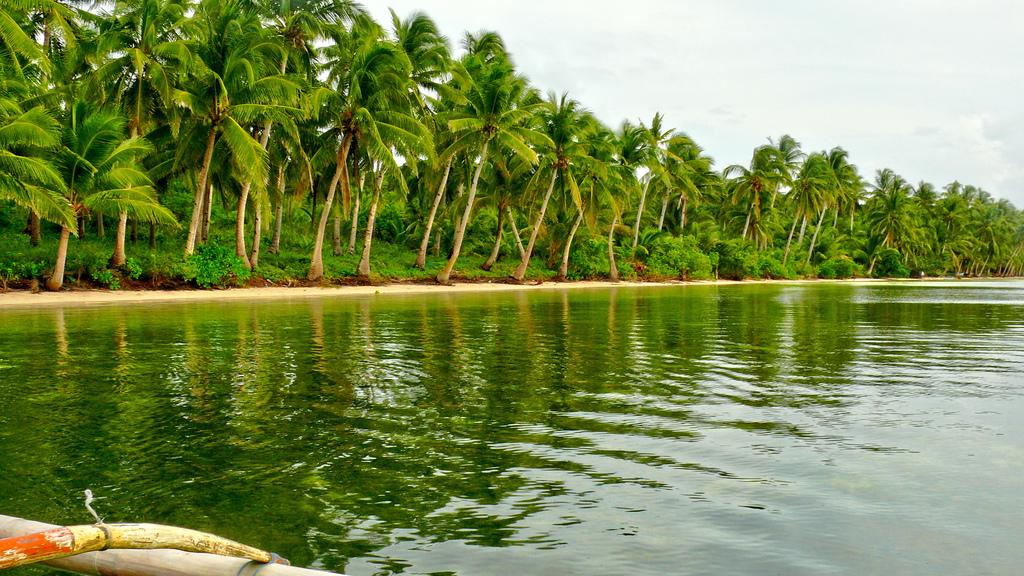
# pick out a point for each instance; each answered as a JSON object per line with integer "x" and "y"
{"x": 498, "y": 107}
{"x": 101, "y": 170}
{"x": 890, "y": 213}
{"x": 754, "y": 186}
{"x": 844, "y": 185}
{"x": 141, "y": 47}
{"x": 367, "y": 106}
{"x": 231, "y": 83}
{"x": 807, "y": 195}
{"x": 655, "y": 162}
{"x": 27, "y": 176}
{"x": 564, "y": 122}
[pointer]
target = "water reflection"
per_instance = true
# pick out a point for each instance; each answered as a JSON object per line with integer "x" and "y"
{"x": 734, "y": 429}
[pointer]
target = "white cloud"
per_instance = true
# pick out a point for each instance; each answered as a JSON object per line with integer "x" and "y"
{"x": 871, "y": 76}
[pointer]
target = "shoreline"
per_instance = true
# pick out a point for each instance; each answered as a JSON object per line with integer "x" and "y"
{"x": 27, "y": 299}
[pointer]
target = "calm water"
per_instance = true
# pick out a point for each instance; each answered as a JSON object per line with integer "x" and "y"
{"x": 826, "y": 429}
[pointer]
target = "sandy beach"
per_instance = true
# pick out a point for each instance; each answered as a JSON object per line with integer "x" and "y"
{"x": 23, "y": 298}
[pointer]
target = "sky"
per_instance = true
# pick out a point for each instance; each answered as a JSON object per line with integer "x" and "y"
{"x": 933, "y": 89}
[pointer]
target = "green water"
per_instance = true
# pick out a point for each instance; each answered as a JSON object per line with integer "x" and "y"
{"x": 772, "y": 429}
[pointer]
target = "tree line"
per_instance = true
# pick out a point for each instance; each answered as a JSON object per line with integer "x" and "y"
{"x": 285, "y": 121}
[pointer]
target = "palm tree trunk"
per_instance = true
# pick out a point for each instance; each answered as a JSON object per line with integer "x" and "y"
{"x": 336, "y": 249}
{"x": 497, "y": 243}
{"x": 364, "y": 261}
{"x": 563, "y": 270}
{"x": 101, "y": 232}
{"x": 803, "y": 229}
{"x": 437, "y": 244}
{"x": 200, "y": 194}
{"x": 817, "y": 229}
{"x": 639, "y": 214}
{"x": 835, "y": 219}
{"x": 460, "y": 231}
{"x": 275, "y": 242}
{"x": 785, "y": 255}
{"x": 421, "y": 256}
{"x": 746, "y": 225}
{"x": 118, "y": 259}
{"x": 207, "y": 212}
{"x": 34, "y": 228}
{"x": 255, "y": 258}
{"x": 515, "y": 231}
{"x": 354, "y": 230}
{"x": 682, "y": 212}
{"x": 240, "y": 249}
{"x": 152, "y": 235}
{"x": 316, "y": 261}
{"x": 56, "y": 280}
{"x": 520, "y": 271}
{"x": 613, "y": 270}
{"x": 257, "y": 234}
{"x": 243, "y": 198}
{"x": 664, "y": 209}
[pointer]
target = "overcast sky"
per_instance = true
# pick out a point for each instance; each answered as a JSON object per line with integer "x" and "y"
{"x": 933, "y": 89}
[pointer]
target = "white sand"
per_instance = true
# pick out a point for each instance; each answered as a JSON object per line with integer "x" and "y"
{"x": 21, "y": 299}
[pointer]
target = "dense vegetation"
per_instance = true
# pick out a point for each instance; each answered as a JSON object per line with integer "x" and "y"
{"x": 236, "y": 136}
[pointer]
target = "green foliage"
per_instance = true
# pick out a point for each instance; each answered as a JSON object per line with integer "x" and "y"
{"x": 735, "y": 259}
{"x": 768, "y": 265}
{"x": 214, "y": 266}
{"x": 588, "y": 259}
{"x": 132, "y": 268}
{"x": 672, "y": 257}
{"x": 837, "y": 267}
{"x": 389, "y": 225}
{"x": 107, "y": 278}
{"x": 890, "y": 265}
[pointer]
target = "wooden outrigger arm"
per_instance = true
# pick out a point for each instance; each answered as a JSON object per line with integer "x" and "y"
{"x": 74, "y": 540}
{"x": 154, "y": 551}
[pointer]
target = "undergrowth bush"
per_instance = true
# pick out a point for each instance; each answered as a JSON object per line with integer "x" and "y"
{"x": 672, "y": 257}
{"x": 213, "y": 265}
{"x": 837, "y": 267}
{"x": 890, "y": 265}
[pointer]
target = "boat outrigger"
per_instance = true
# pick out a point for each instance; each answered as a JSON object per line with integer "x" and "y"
{"x": 135, "y": 550}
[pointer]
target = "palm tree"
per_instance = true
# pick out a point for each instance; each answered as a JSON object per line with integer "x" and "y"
{"x": 690, "y": 172}
{"x": 497, "y": 108}
{"x": 367, "y": 104}
{"x": 229, "y": 85}
{"x": 890, "y": 213}
{"x": 844, "y": 185}
{"x": 754, "y": 185}
{"x": 564, "y": 124}
{"x": 633, "y": 145}
{"x": 655, "y": 160}
{"x": 430, "y": 58}
{"x": 27, "y": 177}
{"x": 807, "y": 194}
{"x": 101, "y": 170}
{"x": 141, "y": 46}
{"x": 792, "y": 158}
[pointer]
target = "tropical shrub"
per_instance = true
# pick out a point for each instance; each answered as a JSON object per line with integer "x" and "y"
{"x": 768, "y": 265}
{"x": 837, "y": 267}
{"x": 212, "y": 265}
{"x": 736, "y": 259}
{"x": 588, "y": 258}
{"x": 678, "y": 258}
{"x": 890, "y": 265}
